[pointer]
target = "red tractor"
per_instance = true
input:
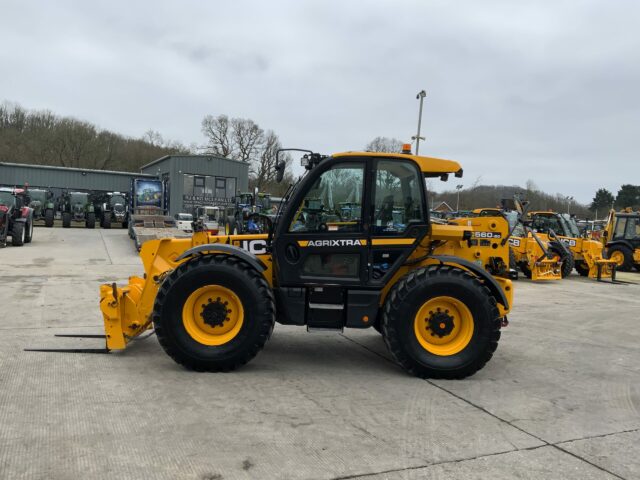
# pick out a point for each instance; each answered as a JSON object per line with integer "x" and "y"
{"x": 16, "y": 218}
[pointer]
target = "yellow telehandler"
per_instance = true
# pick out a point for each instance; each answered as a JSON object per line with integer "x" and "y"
{"x": 438, "y": 293}
{"x": 537, "y": 258}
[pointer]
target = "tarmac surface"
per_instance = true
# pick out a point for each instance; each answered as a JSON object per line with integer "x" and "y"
{"x": 560, "y": 398}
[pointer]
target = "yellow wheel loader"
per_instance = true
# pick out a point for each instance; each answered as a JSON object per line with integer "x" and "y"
{"x": 439, "y": 294}
{"x": 586, "y": 255}
{"x": 621, "y": 239}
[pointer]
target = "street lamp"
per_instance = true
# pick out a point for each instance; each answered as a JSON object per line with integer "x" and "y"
{"x": 417, "y": 137}
{"x": 569, "y": 199}
{"x": 458, "y": 188}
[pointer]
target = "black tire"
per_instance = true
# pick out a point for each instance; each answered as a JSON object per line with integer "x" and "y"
{"x": 566, "y": 257}
{"x": 17, "y": 234}
{"x": 513, "y": 263}
{"x": 403, "y": 304}
{"x": 48, "y": 218}
{"x": 28, "y": 230}
{"x": 90, "y": 220}
{"x": 239, "y": 277}
{"x": 524, "y": 267}
{"x": 627, "y": 264}
{"x": 66, "y": 220}
{"x": 106, "y": 221}
{"x": 582, "y": 268}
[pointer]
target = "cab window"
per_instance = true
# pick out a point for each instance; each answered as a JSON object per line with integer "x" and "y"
{"x": 397, "y": 197}
{"x": 334, "y": 202}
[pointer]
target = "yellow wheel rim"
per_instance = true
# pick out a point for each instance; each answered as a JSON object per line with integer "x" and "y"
{"x": 443, "y": 326}
{"x": 213, "y": 315}
{"x": 618, "y": 257}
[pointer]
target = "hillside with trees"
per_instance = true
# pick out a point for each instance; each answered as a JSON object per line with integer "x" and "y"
{"x": 44, "y": 138}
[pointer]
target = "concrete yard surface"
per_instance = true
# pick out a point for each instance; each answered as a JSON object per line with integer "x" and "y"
{"x": 559, "y": 400}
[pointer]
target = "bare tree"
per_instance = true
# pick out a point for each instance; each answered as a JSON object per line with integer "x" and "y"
{"x": 263, "y": 169}
{"x": 384, "y": 144}
{"x": 219, "y": 137}
{"x": 247, "y": 138}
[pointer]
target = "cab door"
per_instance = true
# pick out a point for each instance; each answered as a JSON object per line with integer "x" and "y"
{"x": 399, "y": 218}
{"x": 320, "y": 248}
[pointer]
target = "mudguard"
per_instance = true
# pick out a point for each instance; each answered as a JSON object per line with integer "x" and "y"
{"x": 478, "y": 271}
{"x": 248, "y": 257}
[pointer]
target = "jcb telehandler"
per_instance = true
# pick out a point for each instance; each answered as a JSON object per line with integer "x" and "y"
{"x": 586, "y": 254}
{"x": 213, "y": 300}
{"x": 537, "y": 258}
{"x": 621, "y": 238}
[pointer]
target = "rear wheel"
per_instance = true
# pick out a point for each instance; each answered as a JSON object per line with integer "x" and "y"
{"x": 91, "y": 220}
{"x": 214, "y": 313}
{"x": 48, "y": 217}
{"x": 623, "y": 256}
{"x": 17, "y": 234}
{"x": 66, "y": 220}
{"x": 441, "y": 322}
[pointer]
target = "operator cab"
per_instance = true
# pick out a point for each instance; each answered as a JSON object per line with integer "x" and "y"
{"x": 346, "y": 228}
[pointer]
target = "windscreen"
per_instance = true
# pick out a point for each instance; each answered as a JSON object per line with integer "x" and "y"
{"x": 571, "y": 225}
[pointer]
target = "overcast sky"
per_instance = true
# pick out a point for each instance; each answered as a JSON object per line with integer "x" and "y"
{"x": 547, "y": 91}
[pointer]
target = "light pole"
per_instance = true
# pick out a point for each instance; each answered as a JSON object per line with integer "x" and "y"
{"x": 458, "y": 188}
{"x": 569, "y": 199}
{"x": 417, "y": 137}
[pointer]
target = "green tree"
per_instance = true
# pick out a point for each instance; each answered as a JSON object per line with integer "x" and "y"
{"x": 602, "y": 201}
{"x": 628, "y": 196}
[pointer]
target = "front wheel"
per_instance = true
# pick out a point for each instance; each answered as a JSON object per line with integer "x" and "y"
{"x": 566, "y": 257}
{"x": 28, "y": 230}
{"x": 17, "y": 234}
{"x": 214, "y": 313}
{"x": 91, "y": 220}
{"x": 66, "y": 220}
{"x": 48, "y": 218}
{"x": 441, "y": 322}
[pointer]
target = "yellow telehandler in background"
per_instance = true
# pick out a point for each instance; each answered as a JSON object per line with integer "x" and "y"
{"x": 537, "y": 258}
{"x": 438, "y": 293}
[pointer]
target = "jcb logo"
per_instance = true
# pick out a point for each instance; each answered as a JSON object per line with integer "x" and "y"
{"x": 514, "y": 242}
{"x": 568, "y": 241}
{"x": 257, "y": 247}
{"x": 487, "y": 235}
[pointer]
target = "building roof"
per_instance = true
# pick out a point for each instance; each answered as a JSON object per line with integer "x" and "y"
{"x": 443, "y": 207}
{"x": 72, "y": 169}
{"x": 217, "y": 157}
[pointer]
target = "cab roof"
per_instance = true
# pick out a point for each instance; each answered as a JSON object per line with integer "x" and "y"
{"x": 430, "y": 166}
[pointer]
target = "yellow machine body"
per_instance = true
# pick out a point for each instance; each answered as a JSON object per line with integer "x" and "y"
{"x": 528, "y": 251}
{"x": 127, "y": 311}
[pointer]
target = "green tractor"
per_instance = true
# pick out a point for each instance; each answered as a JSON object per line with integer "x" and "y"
{"x": 77, "y": 207}
{"x": 41, "y": 202}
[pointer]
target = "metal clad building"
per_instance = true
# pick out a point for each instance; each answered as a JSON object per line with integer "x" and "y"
{"x": 58, "y": 178}
{"x": 194, "y": 180}
{"x": 190, "y": 180}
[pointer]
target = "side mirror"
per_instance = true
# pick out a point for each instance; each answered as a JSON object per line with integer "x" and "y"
{"x": 280, "y": 166}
